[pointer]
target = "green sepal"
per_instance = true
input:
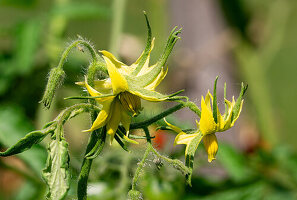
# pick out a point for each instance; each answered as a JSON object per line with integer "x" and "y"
{"x": 225, "y": 97}
{"x": 189, "y": 160}
{"x": 214, "y": 101}
{"x": 134, "y": 88}
{"x": 56, "y": 173}
{"x": 147, "y": 49}
{"x": 172, "y": 39}
{"x": 236, "y": 107}
{"x": 139, "y": 137}
{"x": 124, "y": 137}
{"x": 88, "y": 97}
{"x": 150, "y": 76}
{"x": 96, "y": 150}
{"x": 121, "y": 143}
{"x": 25, "y": 143}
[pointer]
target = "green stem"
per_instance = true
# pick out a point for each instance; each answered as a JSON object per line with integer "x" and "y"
{"x": 177, "y": 164}
{"x": 74, "y": 44}
{"x": 140, "y": 166}
{"x": 147, "y": 134}
{"x": 94, "y": 139}
{"x": 156, "y": 118}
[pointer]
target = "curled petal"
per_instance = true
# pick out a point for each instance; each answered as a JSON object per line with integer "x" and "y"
{"x": 102, "y": 117}
{"x": 118, "y": 81}
{"x": 113, "y": 123}
{"x": 211, "y": 146}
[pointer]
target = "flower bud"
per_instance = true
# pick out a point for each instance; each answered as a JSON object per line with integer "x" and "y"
{"x": 55, "y": 79}
{"x": 134, "y": 195}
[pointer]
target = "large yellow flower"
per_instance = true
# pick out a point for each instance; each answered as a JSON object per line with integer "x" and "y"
{"x": 120, "y": 94}
{"x": 211, "y": 121}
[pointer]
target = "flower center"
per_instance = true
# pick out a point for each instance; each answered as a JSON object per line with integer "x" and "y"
{"x": 130, "y": 102}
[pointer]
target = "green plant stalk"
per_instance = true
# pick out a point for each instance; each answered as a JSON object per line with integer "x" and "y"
{"x": 74, "y": 44}
{"x": 156, "y": 118}
{"x": 193, "y": 107}
{"x": 140, "y": 166}
{"x": 95, "y": 136}
{"x": 118, "y": 9}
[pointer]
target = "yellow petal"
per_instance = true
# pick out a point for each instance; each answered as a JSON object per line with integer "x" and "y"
{"x": 126, "y": 121}
{"x": 183, "y": 138}
{"x": 207, "y": 123}
{"x": 91, "y": 90}
{"x": 146, "y": 66}
{"x": 118, "y": 81}
{"x": 102, "y": 117}
{"x": 208, "y": 100}
{"x": 95, "y": 93}
{"x": 211, "y": 146}
{"x": 103, "y": 86}
{"x": 112, "y": 58}
{"x": 113, "y": 123}
{"x": 158, "y": 80}
{"x": 175, "y": 128}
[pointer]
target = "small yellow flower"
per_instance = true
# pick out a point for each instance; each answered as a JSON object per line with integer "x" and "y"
{"x": 211, "y": 121}
{"x": 120, "y": 94}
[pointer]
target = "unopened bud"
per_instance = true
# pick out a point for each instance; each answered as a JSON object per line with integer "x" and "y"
{"x": 134, "y": 195}
{"x": 55, "y": 80}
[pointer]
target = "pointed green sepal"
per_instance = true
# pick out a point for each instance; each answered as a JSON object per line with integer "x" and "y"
{"x": 214, "y": 101}
{"x": 238, "y": 103}
{"x": 147, "y": 50}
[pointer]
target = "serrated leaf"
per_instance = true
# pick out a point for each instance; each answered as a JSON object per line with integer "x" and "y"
{"x": 25, "y": 143}
{"x": 56, "y": 173}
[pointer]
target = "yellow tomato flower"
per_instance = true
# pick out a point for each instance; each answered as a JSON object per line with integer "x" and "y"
{"x": 211, "y": 121}
{"x": 120, "y": 94}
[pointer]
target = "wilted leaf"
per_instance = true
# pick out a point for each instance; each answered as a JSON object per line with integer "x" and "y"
{"x": 56, "y": 173}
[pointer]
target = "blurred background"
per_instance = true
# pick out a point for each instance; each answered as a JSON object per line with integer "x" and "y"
{"x": 246, "y": 41}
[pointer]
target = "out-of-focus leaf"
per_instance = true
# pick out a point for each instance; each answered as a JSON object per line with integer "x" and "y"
{"x": 234, "y": 162}
{"x": 255, "y": 191}
{"x": 56, "y": 173}
{"x": 29, "y": 191}
{"x": 26, "y": 45}
{"x": 25, "y": 3}
{"x": 13, "y": 126}
{"x": 81, "y": 10}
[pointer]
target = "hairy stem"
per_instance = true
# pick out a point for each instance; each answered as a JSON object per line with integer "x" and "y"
{"x": 140, "y": 166}
{"x": 156, "y": 118}
{"x": 74, "y": 44}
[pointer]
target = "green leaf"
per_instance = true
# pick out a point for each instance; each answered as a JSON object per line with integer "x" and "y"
{"x": 192, "y": 147}
{"x": 25, "y": 143}
{"x": 56, "y": 173}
